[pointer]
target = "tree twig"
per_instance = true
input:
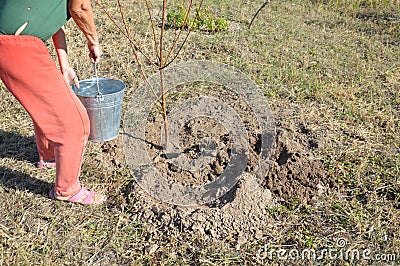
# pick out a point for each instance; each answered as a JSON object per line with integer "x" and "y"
{"x": 258, "y": 11}
{"x": 184, "y": 41}
{"x": 161, "y": 67}
{"x": 132, "y": 44}
{"x": 176, "y": 39}
{"x": 153, "y": 29}
{"x": 123, "y": 32}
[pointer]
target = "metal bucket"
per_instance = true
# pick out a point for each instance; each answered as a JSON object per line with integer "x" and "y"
{"x": 102, "y": 99}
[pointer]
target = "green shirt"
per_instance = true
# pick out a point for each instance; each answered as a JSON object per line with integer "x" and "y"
{"x": 42, "y": 18}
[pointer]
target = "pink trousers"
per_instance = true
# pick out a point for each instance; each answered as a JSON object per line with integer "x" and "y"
{"x": 60, "y": 121}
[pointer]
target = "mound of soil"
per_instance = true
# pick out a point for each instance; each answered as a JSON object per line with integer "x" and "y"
{"x": 242, "y": 213}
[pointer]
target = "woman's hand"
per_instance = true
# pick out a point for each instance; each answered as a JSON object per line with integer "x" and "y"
{"x": 94, "y": 52}
{"x": 70, "y": 76}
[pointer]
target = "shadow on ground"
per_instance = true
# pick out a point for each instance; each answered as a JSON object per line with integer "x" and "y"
{"x": 20, "y": 148}
{"x": 14, "y": 145}
{"x": 18, "y": 180}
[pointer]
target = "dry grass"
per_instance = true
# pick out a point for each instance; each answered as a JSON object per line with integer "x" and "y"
{"x": 339, "y": 69}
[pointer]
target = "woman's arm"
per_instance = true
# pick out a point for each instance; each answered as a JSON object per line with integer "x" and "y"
{"x": 82, "y": 13}
{"x": 62, "y": 54}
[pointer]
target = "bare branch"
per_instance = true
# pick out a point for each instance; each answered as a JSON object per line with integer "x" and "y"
{"x": 161, "y": 67}
{"x": 123, "y": 32}
{"x": 176, "y": 39}
{"x": 184, "y": 41}
{"x": 258, "y": 11}
{"x": 153, "y": 29}
{"x": 132, "y": 45}
{"x": 164, "y": 11}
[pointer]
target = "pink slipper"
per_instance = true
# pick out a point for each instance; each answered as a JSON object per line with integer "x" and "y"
{"x": 84, "y": 197}
{"x": 46, "y": 164}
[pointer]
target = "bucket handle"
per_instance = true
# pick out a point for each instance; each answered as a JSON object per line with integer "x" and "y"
{"x": 97, "y": 80}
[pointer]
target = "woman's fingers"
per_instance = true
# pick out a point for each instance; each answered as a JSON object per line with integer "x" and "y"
{"x": 70, "y": 76}
{"x": 76, "y": 81}
{"x": 94, "y": 53}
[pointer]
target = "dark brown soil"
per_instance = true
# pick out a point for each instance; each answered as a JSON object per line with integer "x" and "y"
{"x": 296, "y": 173}
{"x": 190, "y": 137}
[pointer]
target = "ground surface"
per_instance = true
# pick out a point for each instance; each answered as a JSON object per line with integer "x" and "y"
{"x": 330, "y": 75}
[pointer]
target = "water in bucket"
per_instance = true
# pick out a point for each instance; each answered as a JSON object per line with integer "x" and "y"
{"x": 102, "y": 98}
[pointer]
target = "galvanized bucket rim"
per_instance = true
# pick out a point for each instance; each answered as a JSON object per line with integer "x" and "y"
{"x": 76, "y": 90}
